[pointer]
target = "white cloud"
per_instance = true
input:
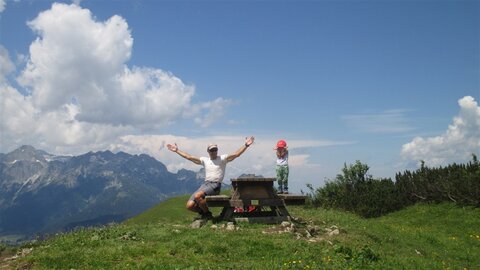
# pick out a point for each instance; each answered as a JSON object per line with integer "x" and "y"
{"x": 78, "y": 58}
{"x": 82, "y": 95}
{"x": 2, "y": 5}
{"x": 6, "y": 65}
{"x": 17, "y": 114}
{"x": 390, "y": 121}
{"x": 144, "y": 98}
{"x": 56, "y": 131}
{"x": 214, "y": 110}
{"x": 75, "y": 56}
{"x": 460, "y": 140}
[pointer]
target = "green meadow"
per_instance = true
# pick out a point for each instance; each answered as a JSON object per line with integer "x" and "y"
{"x": 423, "y": 236}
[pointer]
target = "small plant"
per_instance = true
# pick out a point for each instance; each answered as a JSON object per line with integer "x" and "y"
{"x": 366, "y": 255}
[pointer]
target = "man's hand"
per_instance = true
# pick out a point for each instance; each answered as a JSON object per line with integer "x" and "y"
{"x": 249, "y": 141}
{"x": 173, "y": 148}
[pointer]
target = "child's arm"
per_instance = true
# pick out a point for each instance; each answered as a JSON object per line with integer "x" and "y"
{"x": 281, "y": 152}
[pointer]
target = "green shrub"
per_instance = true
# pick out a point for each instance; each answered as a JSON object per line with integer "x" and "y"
{"x": 459, "y": 183}
{"x": 356, "y": 191}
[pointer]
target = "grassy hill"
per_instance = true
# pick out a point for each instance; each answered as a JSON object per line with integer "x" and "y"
{"x": 440, "y": 236}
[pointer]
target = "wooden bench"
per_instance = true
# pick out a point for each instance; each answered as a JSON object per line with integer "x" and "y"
{"x": 293, "y": 199}
{"x": 218, "y": 200}
{"x": 225, "y": 201}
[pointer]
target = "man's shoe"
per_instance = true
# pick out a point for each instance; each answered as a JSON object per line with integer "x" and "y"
{"x": 201, "y": 215}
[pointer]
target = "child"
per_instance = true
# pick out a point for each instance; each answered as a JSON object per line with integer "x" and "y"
{"x": 282, "y": 167}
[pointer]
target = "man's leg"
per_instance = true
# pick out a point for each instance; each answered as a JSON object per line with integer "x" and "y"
{"x": 201, "y": 202}
{"x": 197, "y": 202}
{"x": 192, "y": 206}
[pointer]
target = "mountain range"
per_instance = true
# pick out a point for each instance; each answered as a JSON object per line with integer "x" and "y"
{"x": 42, "y": 193}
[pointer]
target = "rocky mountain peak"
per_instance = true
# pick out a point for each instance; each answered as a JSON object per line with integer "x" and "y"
{"x": 25, "y": 153}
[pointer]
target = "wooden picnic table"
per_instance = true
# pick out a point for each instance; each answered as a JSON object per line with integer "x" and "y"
{"x": 253, "y": 200}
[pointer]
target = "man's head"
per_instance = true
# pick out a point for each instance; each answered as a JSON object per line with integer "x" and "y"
{"x": 212, "y": 150}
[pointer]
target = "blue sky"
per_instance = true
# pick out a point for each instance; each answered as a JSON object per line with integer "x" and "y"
{"x": 388, "y": 83}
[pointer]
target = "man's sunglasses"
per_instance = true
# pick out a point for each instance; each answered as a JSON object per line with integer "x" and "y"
{"x": 213, "y": 150}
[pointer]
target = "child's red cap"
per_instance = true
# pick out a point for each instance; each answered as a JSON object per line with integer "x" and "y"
{"x": 281, "y": 144}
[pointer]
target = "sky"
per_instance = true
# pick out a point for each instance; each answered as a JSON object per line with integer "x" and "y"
{"x": 388, "y": 83}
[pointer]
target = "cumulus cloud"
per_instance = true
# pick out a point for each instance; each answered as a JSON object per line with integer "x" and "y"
{"x": 211, "y": 111}
{"x": 6, "y": 65}
{"x": 456, "y": 144}
{"x": 18, "y": 115}
{"x": 82, "y": 95}
{"x": 57, "y": 131}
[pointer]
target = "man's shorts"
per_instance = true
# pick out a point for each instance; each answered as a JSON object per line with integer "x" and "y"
{"x": 209, "y": 187}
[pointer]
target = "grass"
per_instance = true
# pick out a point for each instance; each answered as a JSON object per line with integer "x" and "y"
{"x": 441, "y": 236}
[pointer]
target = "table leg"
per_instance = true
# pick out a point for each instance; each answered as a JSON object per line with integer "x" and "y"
{"x": 283, "y": 211}
{"x": 226, "y": 213}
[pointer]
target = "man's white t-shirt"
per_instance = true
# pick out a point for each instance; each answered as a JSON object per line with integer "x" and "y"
{"x": 214, "y": 169}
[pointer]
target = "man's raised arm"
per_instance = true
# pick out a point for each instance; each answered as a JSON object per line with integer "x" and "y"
{"x": 174, "y": 148}
{"x": 242, "y": 149}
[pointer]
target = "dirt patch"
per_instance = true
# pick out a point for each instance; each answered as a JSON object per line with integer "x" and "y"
{"x": 7, "y": 258}
{"x": 310, "y": 233}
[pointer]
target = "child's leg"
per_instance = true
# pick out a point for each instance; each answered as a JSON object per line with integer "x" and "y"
{"x": 285, "y": 179}
{"x": 280, "y": 179}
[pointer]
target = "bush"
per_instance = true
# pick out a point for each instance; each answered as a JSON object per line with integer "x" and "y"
{"x": 356, "y": 191}
{"x": 459, "y": 183}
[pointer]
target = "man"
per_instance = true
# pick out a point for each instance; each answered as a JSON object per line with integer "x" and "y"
{"x": 214, "y": 172}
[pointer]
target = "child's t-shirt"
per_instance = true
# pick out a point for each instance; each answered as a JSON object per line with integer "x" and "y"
{"x": 283, "y": 161}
